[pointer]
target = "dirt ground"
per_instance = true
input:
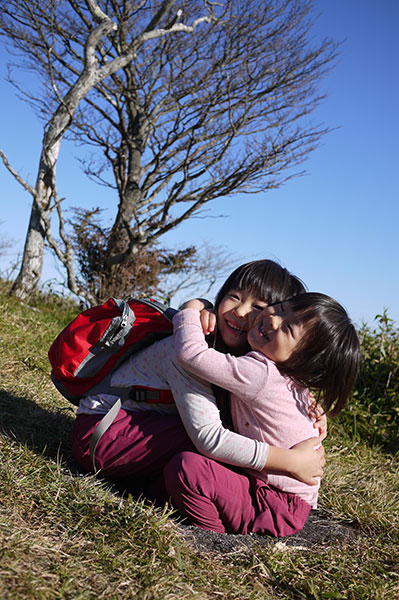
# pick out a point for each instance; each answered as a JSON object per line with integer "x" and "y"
{"x": 320, "y": 528}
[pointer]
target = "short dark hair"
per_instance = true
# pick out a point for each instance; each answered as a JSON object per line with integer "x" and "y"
{"x": 327, "y": 357}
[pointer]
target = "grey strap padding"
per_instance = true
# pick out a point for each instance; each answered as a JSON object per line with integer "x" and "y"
{"x": 101, "y": 428}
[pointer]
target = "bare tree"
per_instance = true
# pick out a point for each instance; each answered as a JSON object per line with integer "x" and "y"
{"x": 181, "y": 114}
{"x": 46, "y": 21}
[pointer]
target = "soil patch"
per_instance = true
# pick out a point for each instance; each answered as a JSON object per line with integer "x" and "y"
{"x": 320, "y": 528}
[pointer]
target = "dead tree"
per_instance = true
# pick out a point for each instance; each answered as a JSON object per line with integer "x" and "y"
{"x": 175, "y": 114}
{"x": 18, "y": 20}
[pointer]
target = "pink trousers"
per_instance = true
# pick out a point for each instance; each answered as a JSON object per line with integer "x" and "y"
{"x": 216, "y": 497}
{"x": 134, "y": 450}
{"x": 154, "y": 454}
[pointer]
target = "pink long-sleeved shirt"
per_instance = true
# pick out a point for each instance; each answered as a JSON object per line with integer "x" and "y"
{"x": 265, "y": 405}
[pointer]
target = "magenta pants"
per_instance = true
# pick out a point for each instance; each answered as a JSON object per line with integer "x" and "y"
{"x": 134, "y": 450}
{"x": 215, "y": 497}
{"x": 154, "y": 452}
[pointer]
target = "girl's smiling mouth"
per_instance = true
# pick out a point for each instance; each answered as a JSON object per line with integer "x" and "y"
{"x": 234, "y": 326}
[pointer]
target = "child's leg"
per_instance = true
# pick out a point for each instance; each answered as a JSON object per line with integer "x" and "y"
{"x": 215, "y": 497}
{"x": 137, "y": 443}
{"x": 208, "y": 494}
{"x": 277, "y": 513}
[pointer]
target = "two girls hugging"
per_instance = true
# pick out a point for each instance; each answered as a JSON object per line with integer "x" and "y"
{"x": 240, "y": 449}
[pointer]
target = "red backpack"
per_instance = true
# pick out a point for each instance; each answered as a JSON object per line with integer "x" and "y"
{"x": 85, "y": 353}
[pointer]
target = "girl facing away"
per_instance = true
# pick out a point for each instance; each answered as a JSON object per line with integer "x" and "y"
{"x": 145, "y": 437}
{"x": 305, "y": 342}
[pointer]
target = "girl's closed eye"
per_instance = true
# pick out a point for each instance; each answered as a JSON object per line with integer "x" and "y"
{"x": 259, "y": 306}
{"x": 290, "y": 328}
{"x": 288, "y": 322}
{"x": 233, "y": 295}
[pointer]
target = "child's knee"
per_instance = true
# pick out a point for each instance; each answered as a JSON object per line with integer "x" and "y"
{"x": 179, "y": 466}
{"x": 186, "y": 470}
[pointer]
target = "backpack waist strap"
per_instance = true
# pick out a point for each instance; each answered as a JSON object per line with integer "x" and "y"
{"x": 150, "y": 395}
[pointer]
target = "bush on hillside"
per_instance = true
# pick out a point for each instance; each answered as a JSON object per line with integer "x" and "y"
{"x": 138, "y": 276}
{"x": 373, "y": 411}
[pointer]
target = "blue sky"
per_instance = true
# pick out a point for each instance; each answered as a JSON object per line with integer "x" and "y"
{"x": 336, "y": 228}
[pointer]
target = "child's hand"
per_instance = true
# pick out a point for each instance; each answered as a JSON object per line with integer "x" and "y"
{"x": 304, "y": 461}
{"x": 208, "y": 321}
{"x": 308, "y": 461}
{"x": 197, "y": 303}
{"x": 207, "y": 316}
{"x": 317, "y": 412}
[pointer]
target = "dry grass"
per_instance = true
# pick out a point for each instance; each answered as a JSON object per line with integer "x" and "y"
{"x": 362, "y": 485}
{"x": 64, "y": 536}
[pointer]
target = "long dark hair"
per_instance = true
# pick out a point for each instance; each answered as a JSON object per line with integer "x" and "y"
{"x": 327, "y": 357}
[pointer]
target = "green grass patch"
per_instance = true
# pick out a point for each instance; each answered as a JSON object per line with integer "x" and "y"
{"x": 71, "y": 537}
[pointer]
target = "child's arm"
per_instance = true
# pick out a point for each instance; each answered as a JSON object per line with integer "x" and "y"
{"x": 244, "y": 375}
{"x": 198, "y": 410}
{"x": 304, "y": 461}
{"x": 207, "y": 316}
{"x": 201, "y": 419}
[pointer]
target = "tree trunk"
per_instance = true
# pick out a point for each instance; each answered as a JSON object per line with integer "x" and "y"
{"x": 30, "y": 272}
{"x": 32, "y": 263}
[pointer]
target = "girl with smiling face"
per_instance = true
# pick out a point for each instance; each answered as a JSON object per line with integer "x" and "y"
{"x": 305, "y": 342}
{"x": 276, "y": 332}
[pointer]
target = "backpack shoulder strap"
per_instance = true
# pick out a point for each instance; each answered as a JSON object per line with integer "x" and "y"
{"x": 101, "y": 428}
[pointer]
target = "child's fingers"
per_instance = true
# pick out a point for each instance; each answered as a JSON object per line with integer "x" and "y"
{"x": 208, "y": 321}
{"x": 316, "y": 412}
{"x": 211, "y": 322}
{"x": 322, "y": 434}
{"x": 321, "y": 424}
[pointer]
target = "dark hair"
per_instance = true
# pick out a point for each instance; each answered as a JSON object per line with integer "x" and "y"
{"x": 327, "y": 356}
{"x": 265, "y": 279}
{"x": 268, "y": 281}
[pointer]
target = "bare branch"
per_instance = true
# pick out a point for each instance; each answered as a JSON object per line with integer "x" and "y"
{"x": 98, "y": 15}
{"x": 16, "y": 175}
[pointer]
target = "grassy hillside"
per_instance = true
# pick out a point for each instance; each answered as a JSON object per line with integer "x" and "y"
{"x": 68, "y": 536}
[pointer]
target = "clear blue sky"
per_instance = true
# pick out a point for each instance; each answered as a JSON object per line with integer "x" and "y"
{"x": 337, "y": 227}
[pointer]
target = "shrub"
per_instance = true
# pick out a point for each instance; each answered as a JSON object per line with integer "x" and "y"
{"x": 140, "y": 275}
{"x": 373, "y": 411}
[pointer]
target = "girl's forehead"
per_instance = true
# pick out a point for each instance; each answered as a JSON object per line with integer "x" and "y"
{"x": 248, "y": 291}
{"x": 254, "y": 290}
